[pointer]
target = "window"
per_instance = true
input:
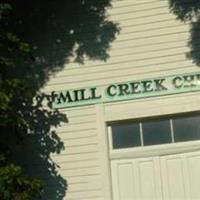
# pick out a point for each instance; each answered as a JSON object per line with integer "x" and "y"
{"x": 155, "y": 131}
{"x": 126, "y": 135}
{"x": 186, "y": 128}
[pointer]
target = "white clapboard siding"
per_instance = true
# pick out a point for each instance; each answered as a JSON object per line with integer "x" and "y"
{"x": 73, "y": 135}
{"x": 79, "y": 162}
{"x": 83, "y": 195}
{"x": 167, "y": 53}
{"x": 84, "y": 179}
{"x": 149, "y": 26}
{"x": 81, "y": 149}
{"x": 76, "y": 127}
{"x": 81, "y": 141}
{"x": 151, "y": 33}
{"x": 80, "y": 165}
{"x": 131, "y": 77}
{"x": 133, "y": 62}
{"x": 151, "y": 43}
{"x": 63, "y": 158}
{"x": 132, "y": 7}
{"x": 139, "y": 54}
{"x": 124, "y": 3}
{"x": 80, "y": 172}
{"x": 155, "y": 70}
{"x": 88, "y": 110}
{"x": 153, "y": 106}
{"x": 142, "y": 14}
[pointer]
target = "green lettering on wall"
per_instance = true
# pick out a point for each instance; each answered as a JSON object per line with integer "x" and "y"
{"x": 135, "y": 89}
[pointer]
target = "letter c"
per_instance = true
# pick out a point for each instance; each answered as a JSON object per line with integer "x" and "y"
{"x": 177, "y": 82}
{"x": 111, "y": 90}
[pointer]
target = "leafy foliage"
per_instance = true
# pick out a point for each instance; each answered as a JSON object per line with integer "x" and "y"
{"x": 16, "y": 186}
{"x": 13, "y": 183}
{"x": 37, "y": 38}
{"x": 184, "y": 9}
{"x": 189, "y": 11}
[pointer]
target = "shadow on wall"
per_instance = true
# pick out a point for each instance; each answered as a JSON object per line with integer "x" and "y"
{"x": 35, "y": 153}
{"x": 56, "y": 31}
{"x": 189, "y": 11}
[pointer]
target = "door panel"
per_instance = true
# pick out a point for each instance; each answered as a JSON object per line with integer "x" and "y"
{"x": 181, "y": 176}
{"x": 172, "y": 177}
{"x": 123, "y": 180}
{"x": 149, "y": 178}
{"x": 145, "y": 183}
{"x": 193, "y": 167}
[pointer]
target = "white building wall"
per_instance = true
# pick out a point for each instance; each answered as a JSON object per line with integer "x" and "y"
{"x": 80, "y": 161}
{"x": 151, "y": 43}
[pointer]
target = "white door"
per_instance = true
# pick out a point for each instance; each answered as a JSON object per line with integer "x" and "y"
{"x": 181, "y": 176}
{"x": 173, "y": 177}
{"x": 136, "y": 179}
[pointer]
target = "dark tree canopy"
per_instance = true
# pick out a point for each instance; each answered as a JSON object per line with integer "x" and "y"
{"x": 36, "y": 39}
{"x": 189, "y": 11}
{"x": 58, "y": 30}
{"x": 184, "y": 9}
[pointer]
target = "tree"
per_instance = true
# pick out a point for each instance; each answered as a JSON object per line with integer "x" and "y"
{"x": 36, "y": 39}
{"x": 189, "y": 12}
{"x": 13, "y": 183}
